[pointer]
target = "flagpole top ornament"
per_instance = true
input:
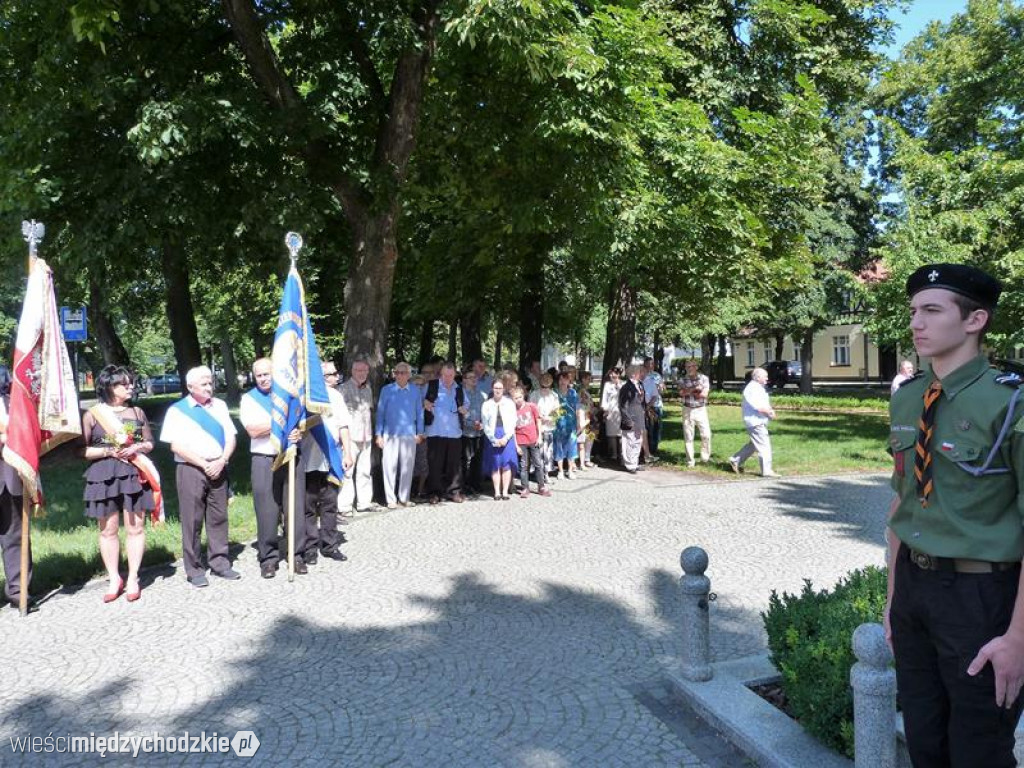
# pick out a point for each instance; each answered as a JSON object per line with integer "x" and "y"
{"x": 33, "y": 231}
{"x": 294, "y": 242}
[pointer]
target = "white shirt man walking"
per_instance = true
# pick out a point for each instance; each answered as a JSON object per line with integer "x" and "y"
{"x": 757, "y": 412}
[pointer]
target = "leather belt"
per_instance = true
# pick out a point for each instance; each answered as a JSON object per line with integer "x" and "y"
{"x": 956, "y": 564}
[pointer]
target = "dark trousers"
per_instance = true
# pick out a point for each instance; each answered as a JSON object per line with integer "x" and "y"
{"x": 201, "y": 499}
{"x": 270, "y": 500}
{"x": 940, "y": 620}
{"x": 532, "y": 456}
{"x": 653, "y": 422}
{"x": 322, "y": 502}
{"x": 10, "y": 544}
{"x": 471, "y": 455}
{"x": 444, "y": 458}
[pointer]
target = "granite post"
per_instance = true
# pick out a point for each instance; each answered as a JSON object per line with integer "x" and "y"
{"x": 874, "y": 699}
{"x": 696, "y": 590}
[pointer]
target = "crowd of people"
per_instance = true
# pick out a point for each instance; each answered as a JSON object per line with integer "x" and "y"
{"x": 441, "y": 434}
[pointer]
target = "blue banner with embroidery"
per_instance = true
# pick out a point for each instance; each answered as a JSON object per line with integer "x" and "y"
{"x": 298, "y": 393}
{"x": 202, "y": 417}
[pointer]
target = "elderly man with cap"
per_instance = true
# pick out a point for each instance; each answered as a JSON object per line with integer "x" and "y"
{"x": 955, "y": 535}
{"x": 202, "y": 438}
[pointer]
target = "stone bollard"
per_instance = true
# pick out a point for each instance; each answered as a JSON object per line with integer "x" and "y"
{"x": 696, "y": 589}
{"x": 874, "y": 699}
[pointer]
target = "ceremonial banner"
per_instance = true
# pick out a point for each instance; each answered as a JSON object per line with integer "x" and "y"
{"x": 44, "y": 404}
{"x": 298, "y": 393}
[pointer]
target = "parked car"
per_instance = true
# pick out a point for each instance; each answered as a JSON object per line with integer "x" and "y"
{"x": 163, "y": 384}
{"x": 782, "y": 372}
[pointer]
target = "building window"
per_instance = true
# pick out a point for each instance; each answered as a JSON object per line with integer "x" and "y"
{"x": 750, "y": 354}
{"x": 796, "y": 350}
{"x": 841, "y": 350}
{"x": 768, "y": 352}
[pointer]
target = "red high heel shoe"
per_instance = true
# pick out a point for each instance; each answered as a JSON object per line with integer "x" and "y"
{"x": 110, "y": 597}
{"x": 131, "y": 597}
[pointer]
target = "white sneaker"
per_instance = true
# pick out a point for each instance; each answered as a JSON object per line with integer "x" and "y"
{"x": 735, "y": 464}
{"x": 769, "y": 473}
{"x": 691, "y": 463}
{"x": 570, "y": 475}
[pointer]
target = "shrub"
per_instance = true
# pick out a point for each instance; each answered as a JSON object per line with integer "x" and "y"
{"x": 809, "y": 639}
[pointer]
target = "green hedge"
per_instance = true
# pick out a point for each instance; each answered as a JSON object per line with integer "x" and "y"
{"x": 822, "y": 402}
{"x": 809, "y": 639}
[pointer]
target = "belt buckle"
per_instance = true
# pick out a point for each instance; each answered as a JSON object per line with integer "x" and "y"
{"x": 921, "y": 560}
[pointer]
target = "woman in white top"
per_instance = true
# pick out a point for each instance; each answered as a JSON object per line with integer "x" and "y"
{"x": 498, "y": 416}
{"x": 612, "y": 417}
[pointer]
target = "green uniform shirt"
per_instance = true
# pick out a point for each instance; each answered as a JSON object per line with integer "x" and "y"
{"x": 981, "y": 518}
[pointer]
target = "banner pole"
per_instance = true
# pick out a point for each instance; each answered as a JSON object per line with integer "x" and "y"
{"x": 291, "y": 517}
{"x": 26, "y": 521}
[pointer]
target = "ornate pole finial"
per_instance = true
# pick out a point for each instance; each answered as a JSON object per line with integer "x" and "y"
{"x": 33, "y": 231}
{"x": 294, "y": 242}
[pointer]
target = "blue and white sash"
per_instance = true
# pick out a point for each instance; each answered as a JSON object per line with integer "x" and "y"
{"x": 202, "y": 417}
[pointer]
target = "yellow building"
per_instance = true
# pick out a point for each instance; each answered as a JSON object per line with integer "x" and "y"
{"x": 842, "y": 352}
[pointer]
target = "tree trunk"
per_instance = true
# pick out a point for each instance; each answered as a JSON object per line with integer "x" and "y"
{"x": 707, "y": 351}
{"x": 498, "y": 341}
{"x": 426, "y": 343}
{"x": 111, "y": 347}
{"x": 780, "y": 343}
{"x": 227, "y": 354}
{"x": 180, "y": 315}
{"x": 720, "y": 368}
{"x": 398, "y": 343}
{"x": 659, "y": 353}
{"x": 371, "y": 278}
{"x": 469, "y": 328}
{"x": 807, "y": 362}
{"x": 453, "y": 342}
{"x": 620, "y": 334}
{"x": 531, "y": 313}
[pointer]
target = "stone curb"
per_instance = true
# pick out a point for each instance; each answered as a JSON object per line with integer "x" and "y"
{"x": 754, "y": 726}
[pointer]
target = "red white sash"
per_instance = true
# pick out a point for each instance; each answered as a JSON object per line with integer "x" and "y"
{"x": 148, "y": 473}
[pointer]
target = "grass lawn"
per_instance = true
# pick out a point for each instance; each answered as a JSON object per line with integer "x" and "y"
{"x": 65, "y": 547}
{"x": 803, "y": 442}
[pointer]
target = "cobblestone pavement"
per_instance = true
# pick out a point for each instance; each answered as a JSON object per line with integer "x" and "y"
{"x": 519, "y": 633}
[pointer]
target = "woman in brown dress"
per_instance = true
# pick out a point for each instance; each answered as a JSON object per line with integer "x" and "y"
{"x": 113, "y": 432}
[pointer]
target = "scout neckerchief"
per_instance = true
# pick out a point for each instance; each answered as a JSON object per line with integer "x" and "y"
{"x": 201, "y": 416}
{"x": 113, "y": 426}
{"x": 923, "y": 455}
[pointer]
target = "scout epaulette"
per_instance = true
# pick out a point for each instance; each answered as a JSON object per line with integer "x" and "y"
{"x": 1009, "y": 379}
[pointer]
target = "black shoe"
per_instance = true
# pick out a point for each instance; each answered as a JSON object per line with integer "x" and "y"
{"x": 228, "y": 573}
{"x": 199, "y": 581}
{"x": 300, "y": 567}
{"x": 310, "y": 558}
{"x": 268, "y": 570}
{"x": 334, "y": 554}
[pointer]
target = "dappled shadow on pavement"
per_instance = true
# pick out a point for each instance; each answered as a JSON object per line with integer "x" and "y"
{"x": 856, "y": 506}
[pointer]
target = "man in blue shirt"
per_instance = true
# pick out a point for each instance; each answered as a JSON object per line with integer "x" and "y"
{"x": 445, "y": 409}
{"x": 399, "y": 429}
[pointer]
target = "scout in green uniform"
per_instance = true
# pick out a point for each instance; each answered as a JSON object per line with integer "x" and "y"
{"x": 956, "y": 536}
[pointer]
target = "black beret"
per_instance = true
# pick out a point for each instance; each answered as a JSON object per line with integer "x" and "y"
{"x": 959, "y": 278}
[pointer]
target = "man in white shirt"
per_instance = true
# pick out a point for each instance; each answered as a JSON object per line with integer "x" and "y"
{"x": 757, "y": 412}
{"x": 653, "y": 387}
{"x": 906, "y": 374}
{"x": 321, "y": 494}
{"x": 357, "y": 488}
{"x": 269, "y": 489}
{"x": 694, "y": 389}
{"x": 202, "y": 438}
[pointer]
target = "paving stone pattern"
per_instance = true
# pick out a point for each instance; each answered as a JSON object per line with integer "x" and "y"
{"x": 517, "y": 633}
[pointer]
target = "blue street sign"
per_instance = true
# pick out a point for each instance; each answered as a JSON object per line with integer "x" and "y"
{"x": 73, "y": 323}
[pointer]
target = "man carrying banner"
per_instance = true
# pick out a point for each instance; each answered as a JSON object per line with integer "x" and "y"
{"x": 43, "y": 411}
{"x": 321, "y": 493}
{"x": 10, "y": 508}
{"x": 269, "y": 487}
{"x": 298, "y": 392}
{"x": 202, "y": 438}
